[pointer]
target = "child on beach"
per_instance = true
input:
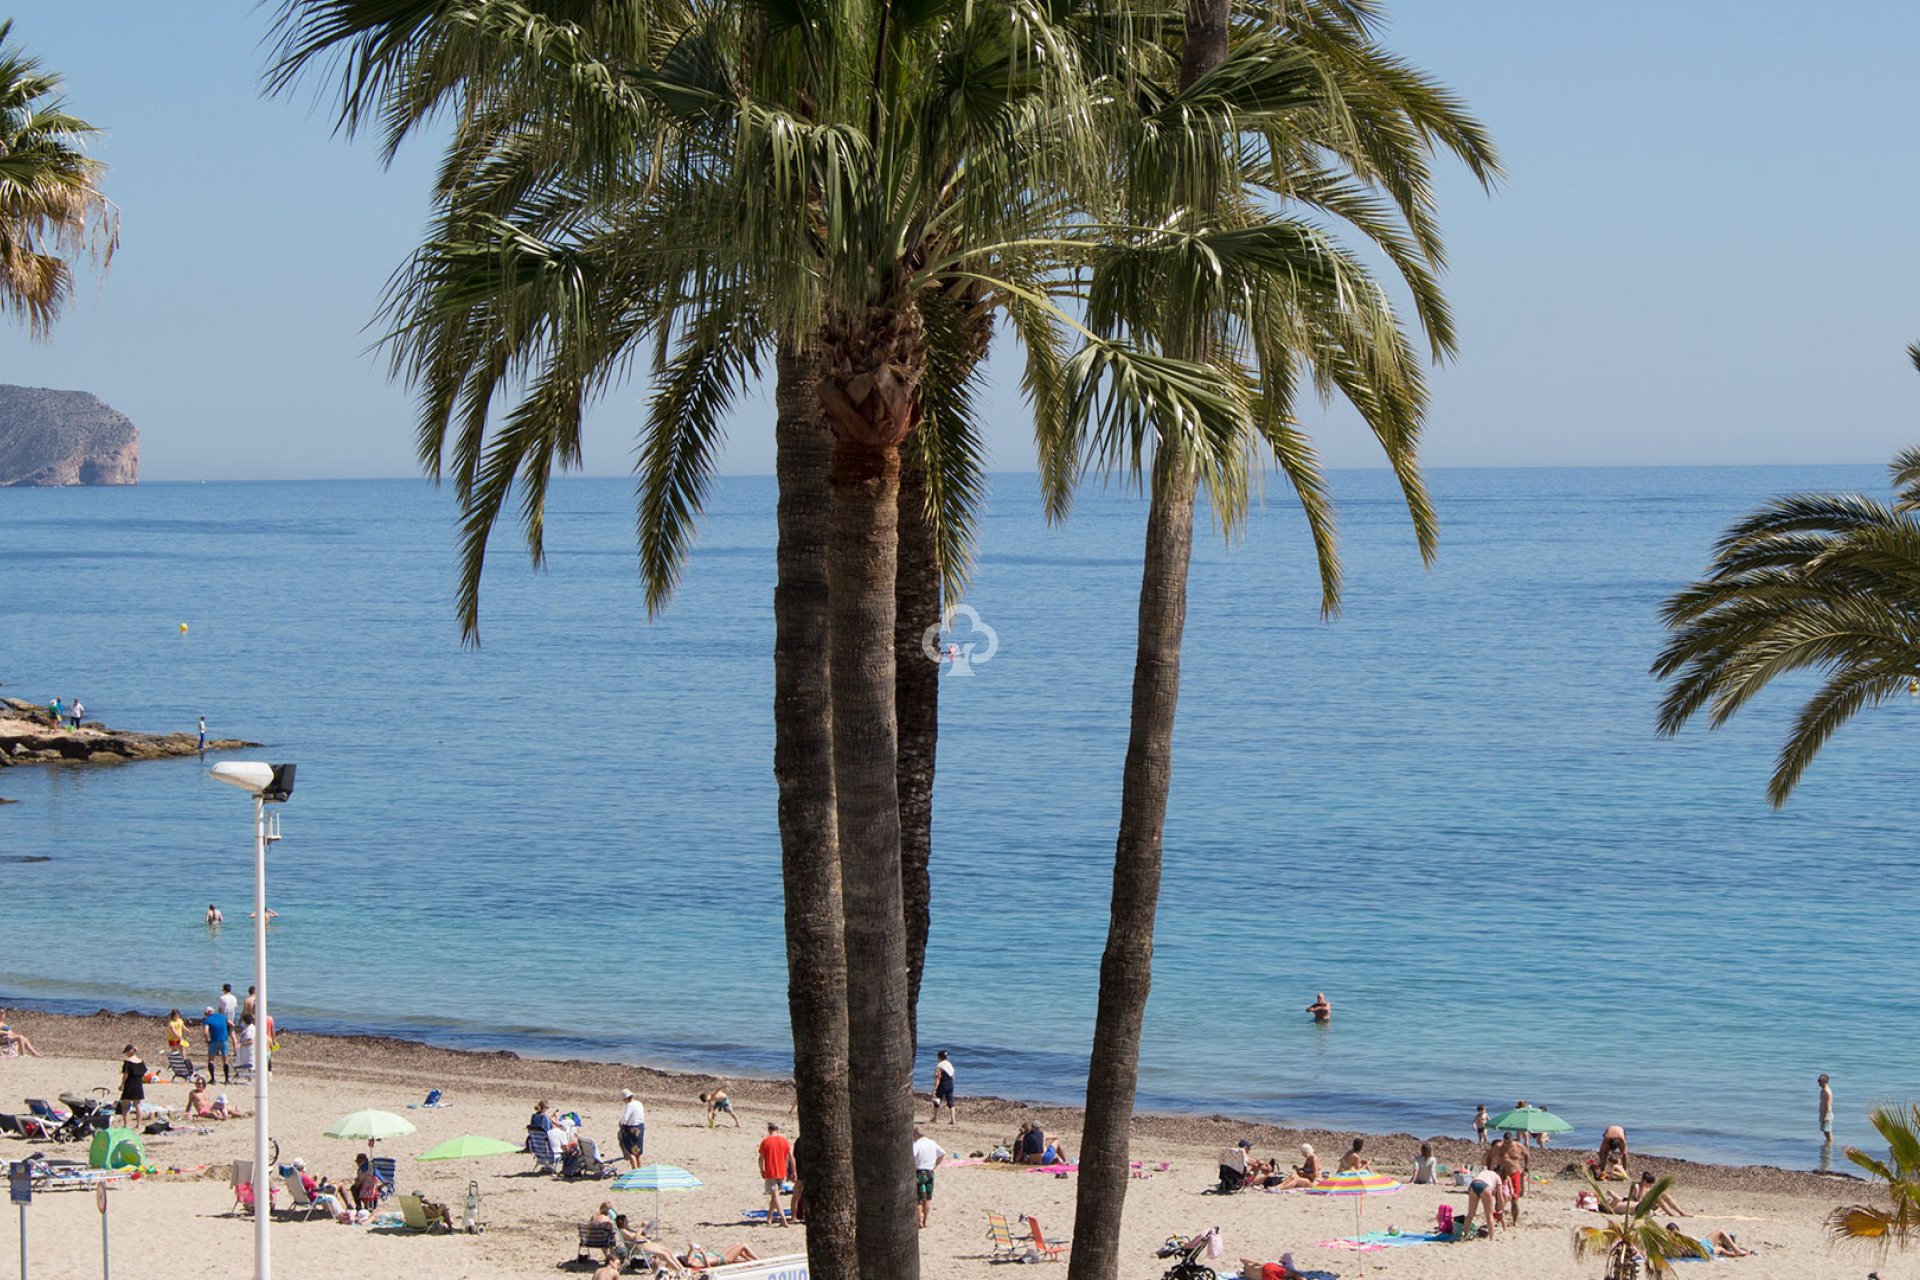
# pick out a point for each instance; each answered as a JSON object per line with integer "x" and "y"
{"x": 719, "y": 1104}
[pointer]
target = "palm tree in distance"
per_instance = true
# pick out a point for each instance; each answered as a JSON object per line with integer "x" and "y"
{"x": 51, "y": 209}
{"x": 1268, "y": 123}
{"x": 1897, "y": 1224}
{"x": 1828, "y": 582}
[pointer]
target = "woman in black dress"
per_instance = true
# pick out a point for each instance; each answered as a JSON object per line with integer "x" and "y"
{"x": 133, "y": 1089}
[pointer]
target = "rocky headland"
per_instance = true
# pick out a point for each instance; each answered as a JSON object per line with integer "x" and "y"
{"x": 50, "y": 437}
{"x": 29, "y": 735}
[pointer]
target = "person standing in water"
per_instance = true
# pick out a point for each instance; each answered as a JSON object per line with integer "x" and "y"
{"x": 1320, "y": 1009}
{"x": 1826, "y": 1110}
{"x": 214, "y": 918}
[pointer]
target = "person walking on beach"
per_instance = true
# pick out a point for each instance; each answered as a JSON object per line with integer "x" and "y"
{"x": 1320, "y": 1009}
{"x": 1480, "y": 1119}
{"x": 633, "y": 1128}
{"x": 229, "y": 1003}
{"x": 928, "y": 1155}
{"x": 775, "y": 1155}
{"x": 1509, "y": 1159}
{"x": 1826, "y": 1110}
{"x": 203, "y": 733}
{"x": 943, "y": 1090}
{"x": 219, "y": 1034}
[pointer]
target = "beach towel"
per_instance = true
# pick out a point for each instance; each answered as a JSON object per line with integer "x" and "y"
{"x": 1352, "y": 1246}
{"x": 1404, "y": 1240}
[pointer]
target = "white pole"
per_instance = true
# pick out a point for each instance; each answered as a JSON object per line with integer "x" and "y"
{"x": 262, "y": 1176}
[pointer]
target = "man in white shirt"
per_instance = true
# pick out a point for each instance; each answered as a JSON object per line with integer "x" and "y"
{"x": 927, "y": 1156}
{"x": 229, "y": 1004}
{"x": 943, "y": 1090}
{"x": 633, "y": 1129}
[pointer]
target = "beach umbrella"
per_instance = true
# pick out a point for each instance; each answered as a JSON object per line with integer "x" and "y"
{"x": 469, "y": 1145}
{"x": 1529, "y": 1120}
{"x": 370, "y": 1126}
{"x": 1357, "y": 1184}
{"x": 657, "y": 1178}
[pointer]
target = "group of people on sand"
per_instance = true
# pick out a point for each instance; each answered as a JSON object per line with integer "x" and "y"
{"x": 633, "y": 1245}
{"x": 1033, "y": 1145}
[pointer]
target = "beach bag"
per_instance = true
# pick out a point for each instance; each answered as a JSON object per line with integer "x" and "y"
{"x": 1443, "y": 1220}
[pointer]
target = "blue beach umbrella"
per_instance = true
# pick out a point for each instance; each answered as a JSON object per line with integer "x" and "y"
{"x": 657, "y": 1178}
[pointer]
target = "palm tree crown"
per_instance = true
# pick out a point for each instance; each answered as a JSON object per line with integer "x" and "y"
{"x": 51, "y": 209}
{"x": 1898, "y": 1222}
{"x": 1828, "y": 582}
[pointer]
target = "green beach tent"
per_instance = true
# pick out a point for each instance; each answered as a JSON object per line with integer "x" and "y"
{"x": 116, "y": 1149}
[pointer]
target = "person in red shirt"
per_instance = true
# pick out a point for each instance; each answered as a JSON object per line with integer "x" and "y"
{"x": 776, "y": 1155}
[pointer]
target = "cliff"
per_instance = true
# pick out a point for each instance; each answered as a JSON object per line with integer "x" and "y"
{"x": 52, "y": 437}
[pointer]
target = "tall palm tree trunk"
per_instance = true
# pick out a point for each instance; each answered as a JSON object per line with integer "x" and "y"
{"x": 809, "y": 827}
{"x": 916, "y": 685}
{"x": 869, "y": 392}
{"x": 1126, "y": 968}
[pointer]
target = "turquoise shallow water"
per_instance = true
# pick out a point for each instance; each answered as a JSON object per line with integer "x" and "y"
{"x": 1447, "y": 809}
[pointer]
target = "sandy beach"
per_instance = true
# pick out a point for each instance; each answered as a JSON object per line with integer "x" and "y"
{"x": 178, "y": 1222}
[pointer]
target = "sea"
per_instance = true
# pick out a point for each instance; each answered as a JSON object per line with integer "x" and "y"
{"x": 1446, "y": 807}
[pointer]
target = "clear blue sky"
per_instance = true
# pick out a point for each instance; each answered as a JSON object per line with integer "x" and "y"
{"x": 1705, "y": 252}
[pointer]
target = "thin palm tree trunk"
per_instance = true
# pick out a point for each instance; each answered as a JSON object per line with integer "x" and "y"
{"x": 809, "y": 827}
{"x": 861, "y": 562}
{"x": 1126, "y": 968}
{"x": 917, "y": 706}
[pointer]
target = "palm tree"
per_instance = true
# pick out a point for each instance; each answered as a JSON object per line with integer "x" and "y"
{"x": 1897, "y": 1224}
{"x": 1304, "y": 112}
{"x": 1823, "y": 581}
{"x": 836, "y": 194}
{"x": 1635, "y": 1237}
{"x": 51, "y": 208}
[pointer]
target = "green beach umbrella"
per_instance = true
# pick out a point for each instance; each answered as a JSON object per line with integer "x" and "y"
{"x": 369, "y": 1126}
{"x": 1529, "y": 1120}
{"x": 469, "y": 1145}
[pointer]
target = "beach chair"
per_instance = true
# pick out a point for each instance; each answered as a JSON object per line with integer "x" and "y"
{"x": 242, "y": 1180}
{"x": 300, "y": 1203}
{"x": 180, "y": 1064}
{"x": 416, "y": 1217}
{"x": 44, "y": 1110}
{"x": 387, "y": 1170}
{"x": 1051, "y": 1252}
{"x": 544, "y": 1161}
{"x": 591, "y": 1163}
{"x": 34, "y": 1129}
{"x": 1001, "y": 1234}
{"x": 596, "y": 1235}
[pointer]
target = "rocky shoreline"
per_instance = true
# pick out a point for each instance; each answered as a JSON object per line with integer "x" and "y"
{"x": 29, "y": 735}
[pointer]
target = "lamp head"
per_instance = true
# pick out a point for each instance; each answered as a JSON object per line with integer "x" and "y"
{"x": 268, "y": 781}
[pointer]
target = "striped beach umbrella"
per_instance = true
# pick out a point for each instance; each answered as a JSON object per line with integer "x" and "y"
{"x": 657, "y": 1178}
{"x": 1357, "y": 1184}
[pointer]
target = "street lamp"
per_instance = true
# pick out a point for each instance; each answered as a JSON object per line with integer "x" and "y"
{"x": 267, "y": 783}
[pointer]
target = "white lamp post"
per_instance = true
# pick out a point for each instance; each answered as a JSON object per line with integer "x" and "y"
{"x": 266, "y": 783}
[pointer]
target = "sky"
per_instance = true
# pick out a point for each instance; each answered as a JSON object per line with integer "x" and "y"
{"x": 1704, "y": 252}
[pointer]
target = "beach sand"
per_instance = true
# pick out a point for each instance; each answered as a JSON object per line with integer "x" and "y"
{"x": 175, "y": 1224}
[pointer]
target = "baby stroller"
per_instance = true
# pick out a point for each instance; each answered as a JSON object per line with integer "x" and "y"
{"x": 86, "y": 1116}
{"x": 1187, "y": 1252}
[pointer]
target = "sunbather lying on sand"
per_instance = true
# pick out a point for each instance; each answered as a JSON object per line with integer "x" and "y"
{"x": 1720, "y": 1244}
{"x": 697, "y": 1258}
{"x": 1281, "y": 1270}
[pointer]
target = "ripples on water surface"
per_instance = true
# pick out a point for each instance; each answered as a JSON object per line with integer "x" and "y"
{"x": 1447, "y": 809}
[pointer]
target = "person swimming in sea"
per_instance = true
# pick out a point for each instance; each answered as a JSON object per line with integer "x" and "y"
{"x": 1320, "y": 1009}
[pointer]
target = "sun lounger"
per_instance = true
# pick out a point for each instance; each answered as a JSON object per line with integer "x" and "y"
{"x": 44, "y": 1110}
{"x": 415, "y": 1216}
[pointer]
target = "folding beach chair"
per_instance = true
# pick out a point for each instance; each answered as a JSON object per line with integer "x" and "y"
{"x": 596, "y": 1235}
{"x": 301, "y": 1203}
{"x": 1001, "y": 1234}
{"x": 385, "y": 1169}
{"x": 416, "y": 1217}
{"x": 591, "y": 1163}
{"x": 242, "y": 1180}
{"x": 544, "y": 1161}
{"x": 180, "y": 1064}
{"x": 44, "y": 1110}
{"x": 1051, "y": 1252}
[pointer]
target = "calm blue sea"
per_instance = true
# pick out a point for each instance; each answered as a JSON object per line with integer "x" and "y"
{"x": 1446, "y": 809}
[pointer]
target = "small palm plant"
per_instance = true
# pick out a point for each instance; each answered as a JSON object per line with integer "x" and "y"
{"x": 1635, "y": 1238}
{"x": 1898, "y": 1223}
